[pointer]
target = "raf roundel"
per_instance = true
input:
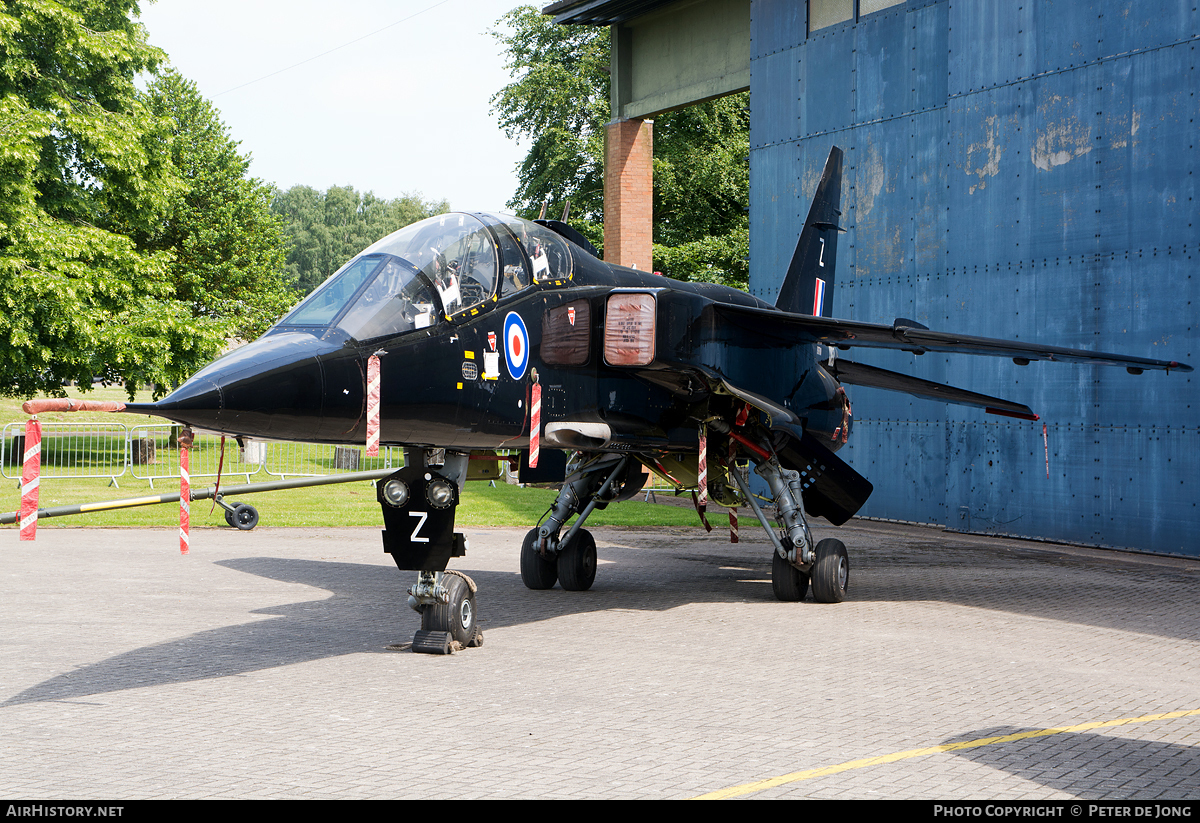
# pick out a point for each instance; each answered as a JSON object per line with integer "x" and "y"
{"x": 516, "y": 345}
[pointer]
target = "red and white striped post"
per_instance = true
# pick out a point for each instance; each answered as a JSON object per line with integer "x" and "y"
{"x": 535, "y": 424}
{"x": 373, "y": 406}
{"x": 733, "y": 527}
{"x": 31, "y": 468}
{"x": 702, "y": 466}
{"x": 185, "y": 488}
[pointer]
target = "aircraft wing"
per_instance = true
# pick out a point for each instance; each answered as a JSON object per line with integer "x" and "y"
{"x": 909, "y": 335}
{"x": 859, "y": 374}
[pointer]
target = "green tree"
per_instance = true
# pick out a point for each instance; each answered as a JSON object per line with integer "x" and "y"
{"x": 702, "y": 192}
{"x": 559, "y": 100}
{"x": 228, "y": 247}
{"x": 328, "y": 228}
{"x": 82, "y": 175}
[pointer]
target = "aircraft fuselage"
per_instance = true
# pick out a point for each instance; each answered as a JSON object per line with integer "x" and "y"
{"x": 451, "y": 385}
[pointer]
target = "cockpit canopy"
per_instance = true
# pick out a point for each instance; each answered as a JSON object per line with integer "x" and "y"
{"x": 436, "y": 269}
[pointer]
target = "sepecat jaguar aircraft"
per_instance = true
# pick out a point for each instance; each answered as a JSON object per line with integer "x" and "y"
{"x": 468, "y": 334}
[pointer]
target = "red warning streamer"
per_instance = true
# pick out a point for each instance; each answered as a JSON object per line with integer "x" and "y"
{"x": 220, "y": 465}
{"x": 373, "y": 406}
{"x": 733, "y": 526}
{"x": 1046, "y": 446}
{"x": 29, "y": 479}
{"x": 700, "y": 511}
{"x": 185, "y": 488}
{"x": 535, "y": 426}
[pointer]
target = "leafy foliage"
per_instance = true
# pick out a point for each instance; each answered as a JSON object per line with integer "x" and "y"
{"x": 229, "y": 248}
{"x": 702, "y": 192}
{"x": 80, "y": 175}
{"x": 559, "y": 100}
{"x": 131, "y": 243}
{"x": 328, "y": 228}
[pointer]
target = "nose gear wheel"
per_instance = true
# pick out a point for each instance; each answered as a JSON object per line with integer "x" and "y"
{"x": 459, "y": 616}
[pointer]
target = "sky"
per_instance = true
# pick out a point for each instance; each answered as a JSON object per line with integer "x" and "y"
{"x": 404, "y": 111}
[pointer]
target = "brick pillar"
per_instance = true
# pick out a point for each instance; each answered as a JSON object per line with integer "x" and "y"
{"x": 629, "y": 193}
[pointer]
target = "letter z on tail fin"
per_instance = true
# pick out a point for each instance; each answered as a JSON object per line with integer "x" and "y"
{"x": 808, "y": 287}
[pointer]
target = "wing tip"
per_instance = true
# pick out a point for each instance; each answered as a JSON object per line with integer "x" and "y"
{"x": 1010, "y": 413}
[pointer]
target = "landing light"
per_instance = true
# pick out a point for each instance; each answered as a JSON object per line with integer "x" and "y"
{"x": 440, "y": 493}
{"x": 395, "y": 492}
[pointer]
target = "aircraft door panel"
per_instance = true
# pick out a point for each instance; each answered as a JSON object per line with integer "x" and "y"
{"x": 566, "y": 334}
{"x": 473, "y": 387}
{"x": 419, "y": 389}
{"x": 344, "y": 413}
{"x": 496, "y": 406}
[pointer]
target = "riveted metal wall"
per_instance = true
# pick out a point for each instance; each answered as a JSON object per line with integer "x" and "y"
{"x": 1022, "y": 169}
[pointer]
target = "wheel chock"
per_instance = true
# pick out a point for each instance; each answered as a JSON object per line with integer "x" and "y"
{"x": 433, "y": 642}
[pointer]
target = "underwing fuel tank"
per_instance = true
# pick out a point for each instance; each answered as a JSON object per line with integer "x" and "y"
{"x": 287, "y": 386}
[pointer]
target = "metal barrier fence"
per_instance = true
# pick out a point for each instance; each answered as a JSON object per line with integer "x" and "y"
{"x": 317, "y": 459}
{"x": 69, "y": 450}
{"x": 150, "y": 452}
{"x": 154, "y": 455}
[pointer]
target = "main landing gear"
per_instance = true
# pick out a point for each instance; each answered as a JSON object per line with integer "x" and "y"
{"x": 797, "y": 563}
{"x": 592, "y": 483}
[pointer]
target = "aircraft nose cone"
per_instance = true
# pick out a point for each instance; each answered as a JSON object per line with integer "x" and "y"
{"x": 273, "y": 388}
{"x": 199, "y": 397}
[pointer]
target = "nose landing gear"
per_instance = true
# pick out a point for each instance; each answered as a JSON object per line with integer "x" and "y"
{"x": 451, "y": 622}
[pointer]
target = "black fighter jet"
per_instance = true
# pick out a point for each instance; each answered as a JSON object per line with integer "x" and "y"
{"x": 486, "y": 332}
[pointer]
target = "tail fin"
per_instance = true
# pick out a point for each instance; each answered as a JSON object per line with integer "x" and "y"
{"x": 808, "y": 287}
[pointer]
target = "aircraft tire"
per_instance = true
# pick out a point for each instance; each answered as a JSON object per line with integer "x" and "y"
{"x": 536, "y": 571}
{"x": 577, "y": 563}
{"x": 459, "y": 616}
{"x": 245, "y": 517}
{"x": 831, "y": 572}
{"x": 789, "y": 583}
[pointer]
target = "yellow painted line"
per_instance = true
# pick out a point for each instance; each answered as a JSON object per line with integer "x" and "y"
{"x": 119, "y": 504}
{"x": 808, "y": 774}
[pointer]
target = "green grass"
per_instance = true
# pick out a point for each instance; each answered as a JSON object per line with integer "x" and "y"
{"x": 350, "y": 504}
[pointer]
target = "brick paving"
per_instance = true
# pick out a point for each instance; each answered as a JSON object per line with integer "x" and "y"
{"x": 257, "y": 667}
